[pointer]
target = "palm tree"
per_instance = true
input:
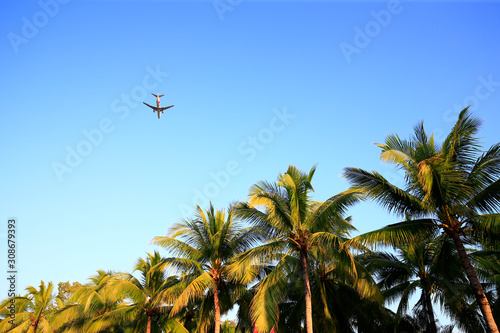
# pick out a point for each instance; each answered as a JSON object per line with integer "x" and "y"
{"x": 294, "y": 225}
{"x": 341, "y": 300}
{"x": 344, "y": 293}
{"x": 31, "y": 310}
{"x": 430, "y": 265}
{"x": 205, "y": 246}
{"x": 147, "y": 307}
{"x": 454, "y": 187}
{"x": 88, "y": 306}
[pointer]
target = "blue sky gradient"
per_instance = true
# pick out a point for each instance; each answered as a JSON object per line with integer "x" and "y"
{"x": 92, "y": 175}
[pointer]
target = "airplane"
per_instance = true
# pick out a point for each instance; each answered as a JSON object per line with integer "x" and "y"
{"x": 157, "y": 108}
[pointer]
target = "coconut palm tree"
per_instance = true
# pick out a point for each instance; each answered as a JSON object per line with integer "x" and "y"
{"x": 431, "y": 266}
{"x": 147, "y": 308}
{"x": 86, "y": 309}
{"x": 293, "y": 225}
{"x": 341, "y": 301}
{"x": 345, "y": 295}
{"x": 30, "y": 311}
{"x": 204, "y": 247}
{"x": 454, "y": 187}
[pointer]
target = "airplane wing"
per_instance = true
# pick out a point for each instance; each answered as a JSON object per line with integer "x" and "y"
{"x": 166, "y": 107}
{"x": 152, "y": 107}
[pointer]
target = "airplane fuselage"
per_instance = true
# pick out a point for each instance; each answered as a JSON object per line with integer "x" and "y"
{"x": 158, "y": 105}
{"x": 158, "y": 108}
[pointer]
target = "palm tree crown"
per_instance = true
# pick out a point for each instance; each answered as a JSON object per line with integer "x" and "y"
{"x": 294, "y": 225}
{"x": 204, "y": 247}
{"x": 148, "y": 308}
{"x": 31, "y": 310}
{"x": 453, "y": 186}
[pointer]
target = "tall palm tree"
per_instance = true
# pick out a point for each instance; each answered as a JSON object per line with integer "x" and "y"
{"x": 31, "y": 311}
{"x": 341, "y": 300}
{"x": 204, "y": 247}
{"x": 454, "y": 187}
{"x": 293, "y": 225}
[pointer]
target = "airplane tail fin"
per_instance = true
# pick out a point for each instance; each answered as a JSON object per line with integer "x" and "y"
{"x": 157, "y": 95}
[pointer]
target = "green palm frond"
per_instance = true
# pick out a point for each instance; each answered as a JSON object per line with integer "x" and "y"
{"x": 193, "y": 291}
{"x": 461, "y": 144}
{"x": 488, "y": 199}
{"x": 174, "y": 326}
{"x": 270, "y": 292}
{"x": 396, "y": 150}
{"x": 177, "y": 247}
{"x": 486, "y": 228}
{"x": 22, "y": 328}
{"x": 327, "y": 240}
{"x": 366, "y": 285}
{"x": 404, "y": 292}
{"x": 486, "y": 168}
{"x": 377, "y": 188}
{"x": 329, "y": 215}
{"x": 247, "y": 265}
{"x": 122, "y": 289}
{"x": 278, "y": 215}
{"x": 398, "y": 233}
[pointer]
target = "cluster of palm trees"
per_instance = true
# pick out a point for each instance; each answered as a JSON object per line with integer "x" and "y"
{"x": 288, "y": 263}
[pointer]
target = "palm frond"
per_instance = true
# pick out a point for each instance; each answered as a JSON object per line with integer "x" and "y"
{"x": 194, "y": 290}
{"x": 374, "y": 186}
{"x": 270, "y": 293}
{"x": 398, "y": 233}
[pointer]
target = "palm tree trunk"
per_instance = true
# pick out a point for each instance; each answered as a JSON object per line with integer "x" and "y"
{"x": 307, "y": 292}
{"x": 148, "y": 328}
{"x": 217, "y": 308}
{"x": 430, "y": 313}
{"x": 484, "y": 305}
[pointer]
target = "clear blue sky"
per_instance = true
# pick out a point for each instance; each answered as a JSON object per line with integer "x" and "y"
{"x": 92, "y": 175}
